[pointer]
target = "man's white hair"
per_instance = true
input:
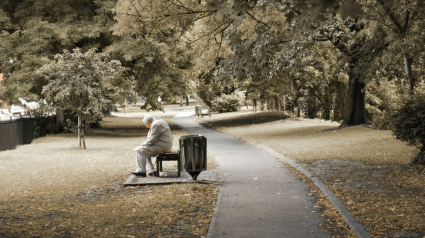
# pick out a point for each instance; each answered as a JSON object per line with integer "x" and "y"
{"x": 147, "y": 118}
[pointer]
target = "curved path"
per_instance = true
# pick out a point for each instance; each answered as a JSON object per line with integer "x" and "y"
{"x": 259, "y": 197}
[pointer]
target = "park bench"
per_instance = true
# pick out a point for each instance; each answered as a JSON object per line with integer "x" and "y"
{"x": 205, "y": 113}
{"x": 168, "y": 156}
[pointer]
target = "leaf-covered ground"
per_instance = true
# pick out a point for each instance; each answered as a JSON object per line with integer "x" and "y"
{"x": 51, "y": 188}
{"x": 366, "y": 168}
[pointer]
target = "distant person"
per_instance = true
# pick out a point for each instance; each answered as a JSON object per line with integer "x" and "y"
{"x": 159, "y": 138}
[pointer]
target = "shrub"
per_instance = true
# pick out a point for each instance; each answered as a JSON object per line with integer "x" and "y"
{"x": 226, "y": 103}
{"x": 45, "y": 125}
{"x": 409, "y": 125}
{"x": 381, "y": 102}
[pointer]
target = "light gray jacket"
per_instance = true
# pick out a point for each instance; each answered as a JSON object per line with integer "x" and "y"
{"x": 159, "y": 138}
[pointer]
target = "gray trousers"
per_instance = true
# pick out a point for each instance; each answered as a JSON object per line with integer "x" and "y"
{"x": 142, "y": 161}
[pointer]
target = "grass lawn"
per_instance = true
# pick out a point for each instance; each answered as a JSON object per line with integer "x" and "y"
{"x": 51, "y": 188}
{"x": 366, "y": 168}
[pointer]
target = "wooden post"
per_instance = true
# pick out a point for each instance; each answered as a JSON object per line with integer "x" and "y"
{"x": 83, "y": 138}
{"x": 79, "y": 130}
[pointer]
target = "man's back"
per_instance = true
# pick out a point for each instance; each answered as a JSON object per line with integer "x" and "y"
{"x": 160, "y": 128}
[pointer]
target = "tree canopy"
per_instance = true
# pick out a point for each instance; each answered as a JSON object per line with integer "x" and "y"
{"x": 351, "y": 61}
{"x": 33, "y": 29}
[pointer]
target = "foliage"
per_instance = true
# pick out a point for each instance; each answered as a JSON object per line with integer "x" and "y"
{"x": 33, "y": 29}
{"x": 306, "y": 51}
{"x": 173, "y": 50}
{"x": 226, "y": 103}
{"x": 269, "y": 41}
{"x": 381, "y": 102}
{"x": 83, "y": 83}
{"x": 210, "y": 87}
{"x": 154, "y": 75}
{"x": 45, "y": 125}
{"x": 402, "y": 21}
{"x": 409, "y": 124}
{"x": 45, "y": 121}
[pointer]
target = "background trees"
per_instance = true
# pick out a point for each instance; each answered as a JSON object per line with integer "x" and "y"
{"x": 351, "y": 61}
{"x": 39, "y": 28}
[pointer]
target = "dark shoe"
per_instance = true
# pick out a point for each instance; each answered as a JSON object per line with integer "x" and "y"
{"x": 139, "y": 174}
{"x": 152, "y": 173}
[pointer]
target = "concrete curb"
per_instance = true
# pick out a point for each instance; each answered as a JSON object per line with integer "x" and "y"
{"x": 210, "y": 233}
{"x": 351, "y": 221}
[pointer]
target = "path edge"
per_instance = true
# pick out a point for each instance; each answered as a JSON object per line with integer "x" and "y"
{"x": 351, "y": 221}
{"x": 210, "y": 233}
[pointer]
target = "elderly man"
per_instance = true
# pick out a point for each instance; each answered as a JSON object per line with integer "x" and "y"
{"x": 159, "y": 138}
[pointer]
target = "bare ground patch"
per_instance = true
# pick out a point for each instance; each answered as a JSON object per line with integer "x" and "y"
{"x": 366, "y": 169}
{"x": 389, "y": 200}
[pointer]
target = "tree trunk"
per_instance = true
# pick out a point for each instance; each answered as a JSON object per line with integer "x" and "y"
{"x": 326, "y": 106}
{"x": 79, "y": 130}
{"x": 279, "y": 104}
{"x": 409, "y": 75}
{"x": 355, "y": 113}
{"x": 420, "y": 157}
{"x": 339, "y": 102}
{"x": 60, "y": 118}
{"x": 187, "y": 101}
{"x": 311, "y": 106}
{"x": 83, "y": 138}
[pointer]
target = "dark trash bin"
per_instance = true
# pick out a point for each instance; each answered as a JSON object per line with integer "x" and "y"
{"x": 193, "y": 150}
{"x": 198, "y": 110}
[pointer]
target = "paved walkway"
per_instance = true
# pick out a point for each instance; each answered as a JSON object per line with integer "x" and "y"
{"x": 258, "y": 197}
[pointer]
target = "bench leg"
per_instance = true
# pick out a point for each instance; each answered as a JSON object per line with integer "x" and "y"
{"x": 179, "y": 166}
{"x": 157, "y": 167}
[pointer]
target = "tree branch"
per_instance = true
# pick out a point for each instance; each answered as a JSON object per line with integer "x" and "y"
{"x": 284, "y": 41}
{"x": 181, "y": 5}
{"x": 317, "y": 96}
{"x": 221, "y": 43}
{"x": 135, "y": 8}
{"x": 206, "y": 15}
{"x": 166, "y": 15}
{"x": 258, "y": 20}
{"x": 382, "y": 18}
{"x": 211, "y": 32}
{"x": 380, "y": 22}
{"x": 406, "y": 21}
{"x": 391, "y": 16}
{"x": 320, "y": 39}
